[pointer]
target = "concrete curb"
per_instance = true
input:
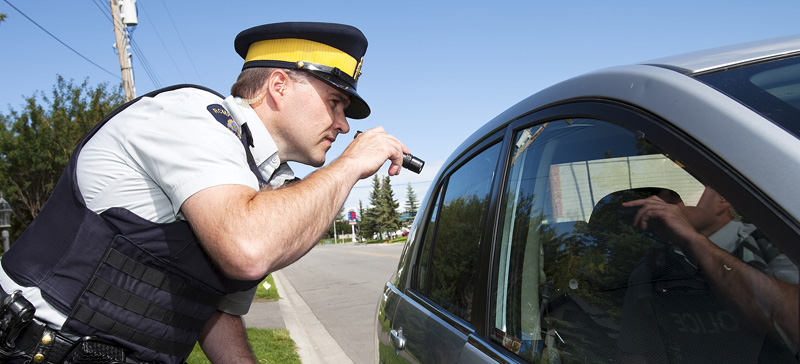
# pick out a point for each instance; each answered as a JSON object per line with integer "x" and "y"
{"x": 314, "y": 344}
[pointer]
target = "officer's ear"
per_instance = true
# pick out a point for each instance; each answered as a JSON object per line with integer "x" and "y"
{"x": 277, "y": 84}
{"x": 722, "y": 206}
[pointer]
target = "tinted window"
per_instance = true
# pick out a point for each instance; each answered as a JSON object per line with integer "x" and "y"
{"x": 771, "y": 88}
{"x": 580, "y": 279}
{"x": 455, "y": 241}
{"x": 424, "y": 260}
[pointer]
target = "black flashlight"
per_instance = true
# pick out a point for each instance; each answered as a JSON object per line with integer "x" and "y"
{"x": 410, "y": 162}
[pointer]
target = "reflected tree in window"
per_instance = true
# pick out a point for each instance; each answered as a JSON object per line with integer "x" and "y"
{"x": 456, "y": 252}
{"x": 456, "y": 245}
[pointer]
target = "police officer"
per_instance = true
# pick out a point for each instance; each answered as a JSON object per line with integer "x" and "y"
{"x": 726, "y": 294}
{"x": 177, "y": 204}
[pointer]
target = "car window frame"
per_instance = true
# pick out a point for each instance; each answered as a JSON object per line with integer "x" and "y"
{"x": 440, "y": 189}
{"x": 761, "y": 209}
{"x": 763, "y": 212}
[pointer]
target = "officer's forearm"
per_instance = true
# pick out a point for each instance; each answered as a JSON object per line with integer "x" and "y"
{"x": 250, "y": 234}
{"x": 224, "y": 340}
{"x": 766, "y": 302}
{"x": 311, "y": 206}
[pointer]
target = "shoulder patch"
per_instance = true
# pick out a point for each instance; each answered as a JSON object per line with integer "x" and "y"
{"x": 224, "y": 118}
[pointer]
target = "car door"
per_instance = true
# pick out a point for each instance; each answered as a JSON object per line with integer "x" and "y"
{"x": 433, "y": 317}
{"x": 573, "y": 281}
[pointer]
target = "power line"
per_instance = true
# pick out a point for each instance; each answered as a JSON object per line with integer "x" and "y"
{"x": 151, "y": 72}
{"x": 148, "y": 68}
{"x": 182, "y": 44}
{"x": 158, "y": 35}
{"x": 103, "y": 10}
{"x": 59, "y": 40}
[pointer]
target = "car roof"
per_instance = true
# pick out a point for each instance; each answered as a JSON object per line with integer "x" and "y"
{"x": 714, "y": 59}
{"x": 661, "y": 87}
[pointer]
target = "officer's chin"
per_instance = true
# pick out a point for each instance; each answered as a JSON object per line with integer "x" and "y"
{"x": 316, "y": 162}
{"x": 314, "y": 158}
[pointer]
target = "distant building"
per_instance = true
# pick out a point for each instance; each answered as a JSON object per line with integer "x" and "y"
{"x": 576, "y": 187}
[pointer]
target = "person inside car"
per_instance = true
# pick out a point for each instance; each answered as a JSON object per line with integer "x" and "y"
{"x": 721, "y": 284}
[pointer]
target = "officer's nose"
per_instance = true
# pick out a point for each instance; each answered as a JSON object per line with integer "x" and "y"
{"x": 340, "y": 124}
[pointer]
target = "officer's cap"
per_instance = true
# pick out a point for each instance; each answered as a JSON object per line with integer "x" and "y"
{"x": 333, "y": 53}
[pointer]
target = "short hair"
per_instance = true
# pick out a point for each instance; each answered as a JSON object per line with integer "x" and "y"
{"x": 252, "y": 79}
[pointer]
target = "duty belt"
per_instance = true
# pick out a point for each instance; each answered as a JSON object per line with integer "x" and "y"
{"x": 42, "y": 344}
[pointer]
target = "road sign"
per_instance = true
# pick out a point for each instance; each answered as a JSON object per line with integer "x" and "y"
{"x": 351, "y": 217}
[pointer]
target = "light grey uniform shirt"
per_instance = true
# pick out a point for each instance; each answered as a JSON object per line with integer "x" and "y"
{"x": 157, "y": 153}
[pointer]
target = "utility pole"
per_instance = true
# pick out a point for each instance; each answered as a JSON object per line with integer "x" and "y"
{"x": 121, "y": 21}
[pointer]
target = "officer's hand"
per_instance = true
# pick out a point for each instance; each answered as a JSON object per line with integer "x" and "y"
{"x": 664, "y": 219}
{"x": 371, "y": 149}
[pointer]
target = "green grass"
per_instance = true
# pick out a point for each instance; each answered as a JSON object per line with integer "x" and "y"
{"x": 270, "y": 346}
{"x": 401, "y": 239}
{"x": 270, "y": 294}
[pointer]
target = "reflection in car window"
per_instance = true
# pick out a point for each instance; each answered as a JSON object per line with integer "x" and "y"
{"x": 771, "y": 88}
{"x": 455, "y": 241}
{"x": 422, "y": 274}
{"x": 578, "y": 282}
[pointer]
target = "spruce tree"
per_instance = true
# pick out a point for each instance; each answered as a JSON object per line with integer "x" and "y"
{"x": 390, "y": 218}
{"x": 373, "y": 214}
{"x": 411, "y": 205}
{"x": 366, "y": 223}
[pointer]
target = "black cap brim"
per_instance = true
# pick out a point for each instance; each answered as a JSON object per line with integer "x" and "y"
{"x": 358, "y": 108}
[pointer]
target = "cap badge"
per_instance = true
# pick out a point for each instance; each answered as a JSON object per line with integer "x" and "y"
{"x": 358, "y": 69}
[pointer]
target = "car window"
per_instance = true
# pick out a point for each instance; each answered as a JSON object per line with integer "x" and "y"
{"x": 771, "y": 88}
{"x": 448, "y": 263}
{"x": 579, "y": 279}
{"x": 425, "y": 253}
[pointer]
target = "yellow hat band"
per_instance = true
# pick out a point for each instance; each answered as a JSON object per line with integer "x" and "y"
{"x": 301, "y": 50}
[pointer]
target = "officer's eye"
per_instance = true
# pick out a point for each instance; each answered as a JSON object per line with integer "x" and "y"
{"x": 338, "y": 101}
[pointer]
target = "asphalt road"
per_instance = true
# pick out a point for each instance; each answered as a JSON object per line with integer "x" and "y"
{"x": 342, "y": 285}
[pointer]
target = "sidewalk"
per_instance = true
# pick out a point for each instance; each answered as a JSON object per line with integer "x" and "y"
{"x": 314, "y": 344}
{"x": 264, "y": 315}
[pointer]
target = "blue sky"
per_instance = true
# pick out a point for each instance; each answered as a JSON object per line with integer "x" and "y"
{"x": 434, "y": 72}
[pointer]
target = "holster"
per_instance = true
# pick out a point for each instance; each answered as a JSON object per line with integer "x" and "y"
{"x": 15, "y": 314}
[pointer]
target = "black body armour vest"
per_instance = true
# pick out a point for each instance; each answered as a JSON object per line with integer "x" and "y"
{"x": 146, "y": 286}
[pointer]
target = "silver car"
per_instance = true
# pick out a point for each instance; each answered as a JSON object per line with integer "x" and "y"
{"x": 647, "y": 213}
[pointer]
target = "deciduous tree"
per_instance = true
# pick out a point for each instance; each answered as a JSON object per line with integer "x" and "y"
{"x": 36, "y": 142}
